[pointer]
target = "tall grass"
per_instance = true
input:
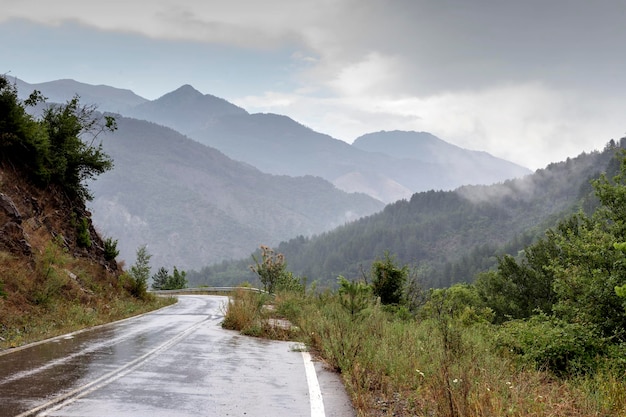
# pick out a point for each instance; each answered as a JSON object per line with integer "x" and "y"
{"x": 57, "y": 293}
{"x": 437, "y": 366}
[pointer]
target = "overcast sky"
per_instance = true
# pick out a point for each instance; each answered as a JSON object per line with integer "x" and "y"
{"x": 531, "y": 81}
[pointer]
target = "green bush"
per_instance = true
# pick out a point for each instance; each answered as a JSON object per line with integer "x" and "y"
{"x": 563, "y": 348}
{"x": 54, "y": 148}
{"x": 83, "y": 238}
{"x": 388, "y": 280}
{"x": 110, "y": 249}
{"x": 135, "y": 287}
{"x": 354, "y": 296}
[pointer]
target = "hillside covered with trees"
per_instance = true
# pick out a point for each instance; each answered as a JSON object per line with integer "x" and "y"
{"x": 445, "y": 236}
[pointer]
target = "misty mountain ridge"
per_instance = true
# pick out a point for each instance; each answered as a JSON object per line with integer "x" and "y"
{"x": 449, "y": 236}
{"x": 107, "y": 98}
{"x": 277, "y": 144}
{"x": 478, "y": 167}
{"x": 185, "y": 109}
{"x": 193, "y": 205}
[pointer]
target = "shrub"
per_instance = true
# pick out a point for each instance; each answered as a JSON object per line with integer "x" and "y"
{"x": 388, "y": 280}
{"x": 53, "y": 149}
{"x": 563, "y": 348}
{"x": 272, "y": 272}
{"x": 83, "y": 238}
{"x": 244, "y": 311}
{"x": 110, "y": 249}
{"x": 354, "y": 296}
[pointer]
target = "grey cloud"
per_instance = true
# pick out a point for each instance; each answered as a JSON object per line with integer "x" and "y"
{"x": 460, "y": 44}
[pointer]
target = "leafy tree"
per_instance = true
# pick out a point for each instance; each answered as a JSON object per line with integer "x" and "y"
{"x": 140, "y": 272}
{"x": 460, "y": 302}
{"x": 83, "y": 238}
{"x": 520, "y": 289}
{"x": 574, "y": 271}
{"x": 57, "y": 149}
{"x": 71, "y": 160}
{"x": 388, "y": 280}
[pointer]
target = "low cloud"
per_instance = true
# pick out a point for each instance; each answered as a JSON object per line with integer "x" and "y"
{"x": 529, "y": 124}
{"x": 530, "y": 81}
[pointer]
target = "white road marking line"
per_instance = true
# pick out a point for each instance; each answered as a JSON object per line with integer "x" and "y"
{"x": 79, "y": 392}
{"x": 315, "y": 393}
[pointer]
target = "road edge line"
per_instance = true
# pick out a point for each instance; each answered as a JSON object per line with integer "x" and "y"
{"x": 315, "y": 392}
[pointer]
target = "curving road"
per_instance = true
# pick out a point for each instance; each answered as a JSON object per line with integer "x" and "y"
{"x": 177, "y": 361}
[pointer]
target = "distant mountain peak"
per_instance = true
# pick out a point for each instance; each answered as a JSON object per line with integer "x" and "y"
{"x": 185, "y": 90}
{"x": 185, "y": 109}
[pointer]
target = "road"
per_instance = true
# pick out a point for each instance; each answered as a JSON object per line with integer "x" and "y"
{"x": 177, "y": 361}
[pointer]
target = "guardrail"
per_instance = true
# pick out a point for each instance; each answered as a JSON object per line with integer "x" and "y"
{"x": 206, "y": 290}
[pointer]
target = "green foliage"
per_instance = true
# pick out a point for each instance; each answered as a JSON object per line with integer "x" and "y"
{"x": 553, "y": 344}
{"x": 461, "y": 303}
{"x": 179, "y": 280}
{"x": 587, "y": 273}
{"x": 519, "y": 289}
{"x": 388, "y": 280}
{"x": 159, "y": 280}
{"x": 567, "y": 290}
{"x": 51, "y": 276}
{"x": 53, "y": 149}
{"x": 110, "y": 249}
{"x": 271, "y": 270}
{"x": 162, "y": 280}
{"x": 83, "y": 238}
{"x": 140, "y": 272}
{"x": 354, "y": 296}
{"x": 444, "y": 365}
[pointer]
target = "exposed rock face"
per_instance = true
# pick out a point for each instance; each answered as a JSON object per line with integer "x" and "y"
{"x": 31, "y": 216}
{"x": 12, "y": 236}
{"x": 7, "y": 205}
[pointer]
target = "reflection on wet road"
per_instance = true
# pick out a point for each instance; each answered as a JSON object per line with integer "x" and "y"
{"x": 174, "y": 362}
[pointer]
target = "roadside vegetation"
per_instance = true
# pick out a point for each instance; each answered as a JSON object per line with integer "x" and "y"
{"x": 62, "y": 294}
{"x": 543, "y": 334}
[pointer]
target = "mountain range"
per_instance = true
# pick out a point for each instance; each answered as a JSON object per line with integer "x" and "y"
{"x": 386, "y": 165}
{"x": 200, "y": 179}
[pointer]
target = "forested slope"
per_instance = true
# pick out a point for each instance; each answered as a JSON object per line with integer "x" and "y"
{"x": 449, "y": 235}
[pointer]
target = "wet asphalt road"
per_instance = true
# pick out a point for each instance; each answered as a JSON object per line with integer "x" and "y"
{"x": 174, "y": 362}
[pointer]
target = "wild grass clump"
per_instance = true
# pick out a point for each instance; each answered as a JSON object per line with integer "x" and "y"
{"x": 244, "y": 310}
{"x": 263, "y": 315}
